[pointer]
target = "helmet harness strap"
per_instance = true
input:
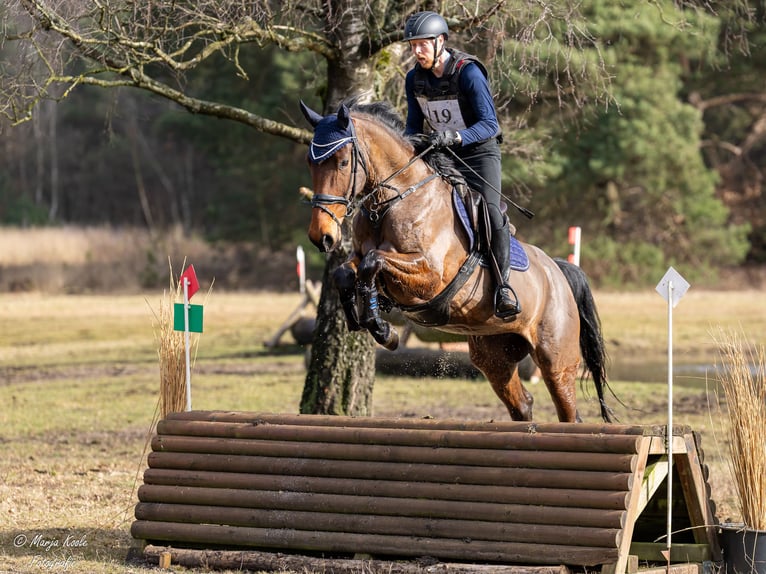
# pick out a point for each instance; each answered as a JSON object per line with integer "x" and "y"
{"x": 436, "y": 55}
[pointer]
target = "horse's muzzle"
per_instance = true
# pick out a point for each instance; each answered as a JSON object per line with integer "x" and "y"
{"x": 326, "y": 243}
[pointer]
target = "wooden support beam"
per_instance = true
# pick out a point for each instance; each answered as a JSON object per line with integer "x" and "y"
{"x": 378, "y": 544}
{"x": 492, "y": 438}
{"x": 426, "y": 454}
{"x": 654, "y": 476}
{"x": 652, "y": 552}
{"x": 253, "y": 418}
{"x": 696, "y": 493}
{"x": 405, "y": 507}
{"x": 272, "y": 561}
{"x": 532, "y": 495}
{"x": 361, "y": 469}
{"x": 620, "y": 565}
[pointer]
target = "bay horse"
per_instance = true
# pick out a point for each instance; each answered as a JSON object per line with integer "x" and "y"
{"x": 411, "y": 250}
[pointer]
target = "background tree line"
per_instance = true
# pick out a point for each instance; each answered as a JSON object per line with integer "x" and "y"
{"x": 646, "y": 128}
{"x": 642, "y": 121}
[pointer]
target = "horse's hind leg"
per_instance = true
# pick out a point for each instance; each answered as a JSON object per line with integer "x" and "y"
{"x": 497, "y": 356}
{"x": 382, "y": 331}
{"x": 559, "y": 371}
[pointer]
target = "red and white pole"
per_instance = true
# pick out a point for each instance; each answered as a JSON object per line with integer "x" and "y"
{"x": 575, "y": 236}
{"x": 301, "y": 268}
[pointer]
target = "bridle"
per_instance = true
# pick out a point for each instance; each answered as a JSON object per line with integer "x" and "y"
{"x": 373, "y": 209}
{"x": 321, "y": 200}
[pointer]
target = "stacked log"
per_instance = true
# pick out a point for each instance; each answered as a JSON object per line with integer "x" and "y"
{"x": 515, "y": 493}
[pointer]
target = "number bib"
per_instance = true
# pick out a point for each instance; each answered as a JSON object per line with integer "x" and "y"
{"x": 442, "y": 114}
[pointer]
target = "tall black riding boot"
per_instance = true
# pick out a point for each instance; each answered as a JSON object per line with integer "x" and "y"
{"x": 506, "y": 302}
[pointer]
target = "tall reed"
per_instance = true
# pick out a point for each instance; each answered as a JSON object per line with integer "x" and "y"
{"x": 171, "y": 350}
{"x": 742, "y": 380}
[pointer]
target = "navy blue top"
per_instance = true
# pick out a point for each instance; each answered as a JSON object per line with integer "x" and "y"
{"x": 474, "y": 87}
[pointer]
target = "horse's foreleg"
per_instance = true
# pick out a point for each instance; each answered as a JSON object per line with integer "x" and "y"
{"x": 382, "y": 331}
{"x": 344, "y": 278}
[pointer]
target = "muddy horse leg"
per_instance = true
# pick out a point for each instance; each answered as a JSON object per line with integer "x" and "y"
{"x": 497, "y": 356}
{"x": 382, "y": 331}
{"x": 559, "y": 371}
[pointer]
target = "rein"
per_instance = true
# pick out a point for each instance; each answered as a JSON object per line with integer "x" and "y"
{"x": 378, "y": 209}
{"x": 523, "y": 210}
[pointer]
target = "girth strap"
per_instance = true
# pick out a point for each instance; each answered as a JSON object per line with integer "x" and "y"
{"x": 435, "y": 312}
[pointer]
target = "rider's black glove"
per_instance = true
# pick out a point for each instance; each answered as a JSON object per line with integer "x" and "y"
{"x": 447, "y": 138}
{"x": 419, "y": 141}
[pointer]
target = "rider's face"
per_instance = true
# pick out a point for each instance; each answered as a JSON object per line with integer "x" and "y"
{"x": 423, "y": 50}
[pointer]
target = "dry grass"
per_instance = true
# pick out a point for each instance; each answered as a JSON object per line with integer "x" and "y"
{"x": 742, "y": 381}
{"x": 171, "y": 350}
{"x": 123, "y": 260}
{"x": 73, "y": 245}
{"x": 80, "y": 389}
{"x": 67, "y": 245}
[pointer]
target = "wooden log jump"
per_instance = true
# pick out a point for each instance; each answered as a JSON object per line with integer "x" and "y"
{"x": 500, "y": 492}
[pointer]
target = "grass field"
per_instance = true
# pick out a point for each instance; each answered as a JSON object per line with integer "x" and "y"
{"x": 79, "y": 385}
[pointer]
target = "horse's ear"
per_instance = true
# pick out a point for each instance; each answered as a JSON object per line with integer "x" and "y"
{"x": 344, "y": 116}
{"x": 313, "y": 117}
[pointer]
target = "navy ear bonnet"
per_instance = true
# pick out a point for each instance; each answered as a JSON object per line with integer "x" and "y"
{"x": 330, "y": 132}
{"x": 329, "y": 137}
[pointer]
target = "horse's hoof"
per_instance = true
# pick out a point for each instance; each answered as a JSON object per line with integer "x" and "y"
{"x": 393, "y": 341}
{"x": 384, "y": 334}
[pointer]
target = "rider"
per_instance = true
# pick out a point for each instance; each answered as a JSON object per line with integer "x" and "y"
{"x": 448, "y": 96}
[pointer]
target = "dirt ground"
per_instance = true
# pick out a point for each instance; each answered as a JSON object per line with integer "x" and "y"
{"x": 78, "y": 480}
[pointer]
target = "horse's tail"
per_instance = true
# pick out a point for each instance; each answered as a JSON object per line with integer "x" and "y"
{"x": 592, "y": 345}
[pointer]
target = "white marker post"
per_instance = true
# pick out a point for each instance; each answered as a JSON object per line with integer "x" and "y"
{"x": 187, "y": 344}
{"x": 575, "y": 236}
{"x": 672, "y": 287}
{"x": 188, "y": 318}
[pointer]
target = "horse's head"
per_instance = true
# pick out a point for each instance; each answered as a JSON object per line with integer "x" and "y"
{"x": 334, "y": 166}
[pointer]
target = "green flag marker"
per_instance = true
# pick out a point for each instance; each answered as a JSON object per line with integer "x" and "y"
{"x": 195, "y": 317}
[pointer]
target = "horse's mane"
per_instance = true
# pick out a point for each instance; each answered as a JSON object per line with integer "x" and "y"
{"x": 383, "y": 111}
{"x": 386, "y": 114}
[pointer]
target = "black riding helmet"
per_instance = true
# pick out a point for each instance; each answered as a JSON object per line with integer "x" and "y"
{"x": 426, "y": 25}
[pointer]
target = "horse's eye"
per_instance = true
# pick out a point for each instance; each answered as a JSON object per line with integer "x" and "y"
{"x": 343, "y": 163}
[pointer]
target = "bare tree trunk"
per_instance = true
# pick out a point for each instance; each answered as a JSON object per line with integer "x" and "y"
{"x": 341, "y": 372}
{"x": 135, "y": 155}
{"x": 39, "y": 139}
{"x": 188, "y": 191}
{"x": 54, "y": 160}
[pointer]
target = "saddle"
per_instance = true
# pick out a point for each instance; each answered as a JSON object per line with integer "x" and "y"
{"x": 474, "y": 216}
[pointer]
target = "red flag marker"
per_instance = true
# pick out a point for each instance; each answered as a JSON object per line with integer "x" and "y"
{"x": 190, "y": 276}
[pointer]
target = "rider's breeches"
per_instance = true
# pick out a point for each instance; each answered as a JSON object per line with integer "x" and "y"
{"x": 484, "y": 158}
